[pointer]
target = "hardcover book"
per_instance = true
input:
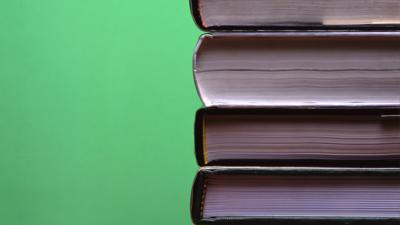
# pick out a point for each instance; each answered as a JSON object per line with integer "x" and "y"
{"x": 217, "y": 15}
{"x": 301, "y": 123}
{"x": 312, "y": 196}
{"x": 298, "y": 137}
{"x": 299, "y": 69}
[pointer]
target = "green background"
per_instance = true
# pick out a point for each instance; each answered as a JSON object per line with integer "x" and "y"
{"x": 97, "y": 104}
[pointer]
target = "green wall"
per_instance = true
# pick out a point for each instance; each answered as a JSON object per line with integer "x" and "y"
{"x": 97, "y": 104}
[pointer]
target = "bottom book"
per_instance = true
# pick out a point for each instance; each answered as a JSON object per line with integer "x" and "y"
{"x": 296, "y": 195}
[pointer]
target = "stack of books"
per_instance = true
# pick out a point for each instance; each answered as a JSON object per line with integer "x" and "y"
{"x": 301, "y": 117}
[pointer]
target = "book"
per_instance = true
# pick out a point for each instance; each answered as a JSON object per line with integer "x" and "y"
{"x": 304, "y": 195}
{"x": 298, "y": 69}
{"x": 226, "y": 15}
{"x": 298, "y": 137}
{"x": 301, "y": 123}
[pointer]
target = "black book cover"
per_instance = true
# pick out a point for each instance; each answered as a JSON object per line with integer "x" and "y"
{"x": 194, "y": 7}
{"x": 388, "y": 115}
{"x": 199, "y": 189}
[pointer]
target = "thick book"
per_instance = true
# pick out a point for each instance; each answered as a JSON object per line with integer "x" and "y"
{"x": 302, "y": 196}
{"x": 226, "y": 15}
{"x": 355, "y": 137}
{"x": 298, "y": 69}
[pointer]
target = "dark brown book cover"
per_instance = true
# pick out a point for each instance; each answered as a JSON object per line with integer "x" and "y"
{"x": 200, "y": 189}
{"x": 293, "y": 25}
{"x": 385, "y": 116}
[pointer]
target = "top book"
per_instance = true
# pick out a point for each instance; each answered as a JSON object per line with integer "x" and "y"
{"x": 225, "y": 15}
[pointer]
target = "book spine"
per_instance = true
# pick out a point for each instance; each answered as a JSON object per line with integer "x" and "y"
{"x": 194, "y": 63}
{"x": 194, "y": 9}
{"x": 197, "y": 197}
{"x": 199, "y": 129}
